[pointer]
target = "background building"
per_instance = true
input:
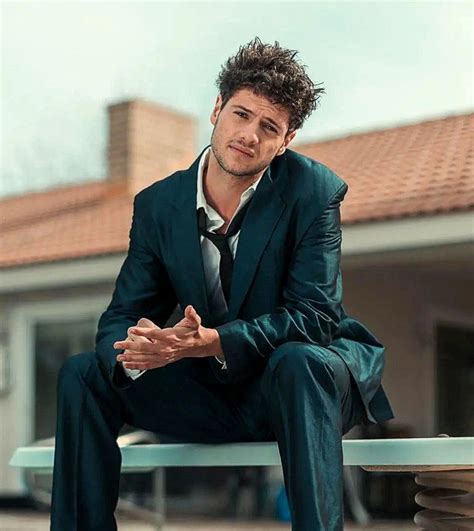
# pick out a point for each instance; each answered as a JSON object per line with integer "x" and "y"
{"x": 407, "y": 264}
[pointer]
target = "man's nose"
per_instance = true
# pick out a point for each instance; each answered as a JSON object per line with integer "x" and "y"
{"x": 249, "y": 134}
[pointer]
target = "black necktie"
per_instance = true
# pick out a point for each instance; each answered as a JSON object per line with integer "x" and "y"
{"x": 222, "y": 244}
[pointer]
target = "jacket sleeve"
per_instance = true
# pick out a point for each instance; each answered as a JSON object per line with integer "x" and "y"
{"x": 142, "y": 289}
{"x": 311, "y": 301}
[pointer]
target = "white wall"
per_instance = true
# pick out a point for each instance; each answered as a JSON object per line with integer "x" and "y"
{"x": 400, "y": 305}
{"x": 17, "y": 405}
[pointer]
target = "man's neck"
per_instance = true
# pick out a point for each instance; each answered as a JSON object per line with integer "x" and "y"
{"x": 223, "y": 190}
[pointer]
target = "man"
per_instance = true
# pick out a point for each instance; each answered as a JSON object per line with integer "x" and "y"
{"x": 247, "y": 241}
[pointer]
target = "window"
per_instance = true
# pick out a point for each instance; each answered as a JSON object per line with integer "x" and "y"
{"x": 54, "y": 341}
{"x": 455, "y": 380}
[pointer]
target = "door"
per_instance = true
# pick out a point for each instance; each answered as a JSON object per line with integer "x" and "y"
{"x": 455, "y": 380}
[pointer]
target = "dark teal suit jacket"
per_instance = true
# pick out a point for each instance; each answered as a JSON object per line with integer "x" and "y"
{"x": 286, "y": 283}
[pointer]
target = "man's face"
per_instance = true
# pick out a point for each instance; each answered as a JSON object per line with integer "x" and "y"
{"x": 249, "y": 132}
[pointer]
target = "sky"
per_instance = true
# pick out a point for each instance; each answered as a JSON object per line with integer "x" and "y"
{"x": 382, "y": 64}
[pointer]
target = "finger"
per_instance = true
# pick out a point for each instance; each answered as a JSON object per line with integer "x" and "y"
{"x": 144, "y": 334}
{"x": 129, "y": 354}
{"x": 134, "y": 337}
{"x": 167, "y": 334}
{"x": 139, "y": 339}
{"x": 145, "y": 346}
{"x": 143, "y": 357}
{"x": 186, "y": 323}
{"x": 134, "y": 346}
{"x": 146, "y": 323}
{"x": 191, "y": 314}
{"x": 144, "y": 366}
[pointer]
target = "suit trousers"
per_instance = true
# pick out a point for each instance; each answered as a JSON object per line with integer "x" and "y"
{"x": 305, "y": 399}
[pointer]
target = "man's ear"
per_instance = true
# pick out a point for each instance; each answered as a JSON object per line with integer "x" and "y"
{"x": 217, "y": 108}
{"x": 288, "y": 138}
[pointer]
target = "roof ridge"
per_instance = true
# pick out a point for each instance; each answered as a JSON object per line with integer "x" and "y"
{"x": 20, "y": 221}
{"x": 59, "y": 187}
{"x": 380, "y": 129}
{"x": 62, "y": 204}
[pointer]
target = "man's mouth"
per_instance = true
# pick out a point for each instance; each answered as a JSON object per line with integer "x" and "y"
{"x": 242, "y": 150}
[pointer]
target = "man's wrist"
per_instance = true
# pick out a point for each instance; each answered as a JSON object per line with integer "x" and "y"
{"x": 214, "y": 347}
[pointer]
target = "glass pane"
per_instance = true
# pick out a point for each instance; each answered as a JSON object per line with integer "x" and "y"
{"x": 54, "y": 342}
{"x": 455, "y": 380}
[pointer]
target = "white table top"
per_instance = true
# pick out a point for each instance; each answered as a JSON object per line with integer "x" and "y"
{"x": 362, "y": 452}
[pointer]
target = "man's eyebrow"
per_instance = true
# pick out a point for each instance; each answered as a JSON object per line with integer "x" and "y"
{"x": 265, "y": 117}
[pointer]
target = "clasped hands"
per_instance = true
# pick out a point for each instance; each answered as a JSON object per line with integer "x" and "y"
{"x": 148, "y": 346}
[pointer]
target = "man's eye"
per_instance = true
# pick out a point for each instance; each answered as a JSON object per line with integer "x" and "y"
{"x": 270, "y": 128}
{"x": 241, "y": 114}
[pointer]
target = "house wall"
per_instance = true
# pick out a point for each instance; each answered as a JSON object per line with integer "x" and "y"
{"x": 16, "y": 404}
{"x": 397, "y": 303}
{"x": 400, "y": 305}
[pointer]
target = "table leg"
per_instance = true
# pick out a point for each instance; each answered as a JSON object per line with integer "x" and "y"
{"x": 159, "y": 492}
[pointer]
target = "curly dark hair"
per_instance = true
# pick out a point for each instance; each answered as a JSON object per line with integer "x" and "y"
{"x": 272, "y": 71}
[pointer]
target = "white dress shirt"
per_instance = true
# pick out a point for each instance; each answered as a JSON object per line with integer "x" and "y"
{"x": 210, "y": 254}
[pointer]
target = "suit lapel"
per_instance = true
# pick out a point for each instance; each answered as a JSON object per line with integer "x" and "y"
{"x": 185, "y": 235}
{"x": 266, "y": 207}
{"x": 264, "y": 211}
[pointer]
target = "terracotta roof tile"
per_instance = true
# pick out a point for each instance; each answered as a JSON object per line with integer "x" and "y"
{"x": 33, "y": 206}
{"x": 93, "y": 228}
{"x": 412, "y": 170}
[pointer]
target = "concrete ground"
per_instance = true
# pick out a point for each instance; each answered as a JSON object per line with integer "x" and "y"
{"x": 34, "y": 521}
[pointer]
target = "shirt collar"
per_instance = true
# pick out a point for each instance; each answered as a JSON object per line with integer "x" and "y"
{"x": 200, "y": 197}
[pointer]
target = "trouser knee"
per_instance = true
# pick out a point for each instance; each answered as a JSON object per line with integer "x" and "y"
{"x": 74, "y": 371}
{"x": 296, "y": 362}
{"x": 76, "y": 366}
{"x": 83, "y": 386}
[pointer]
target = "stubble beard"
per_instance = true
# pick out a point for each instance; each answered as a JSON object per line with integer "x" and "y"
{"x": 239, "y": 174}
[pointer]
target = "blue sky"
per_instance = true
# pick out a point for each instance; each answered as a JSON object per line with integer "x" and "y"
{"x": 382, "y": 64}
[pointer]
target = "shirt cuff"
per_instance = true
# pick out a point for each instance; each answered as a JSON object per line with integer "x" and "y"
{"x": 134, "y": 373}
{"x": 223, "y": 363}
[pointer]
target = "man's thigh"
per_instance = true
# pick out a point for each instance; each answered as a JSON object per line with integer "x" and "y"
{"x": 178, "y": 401}
{"x": 253, "y": 401}
{"x": 185, "y": 401}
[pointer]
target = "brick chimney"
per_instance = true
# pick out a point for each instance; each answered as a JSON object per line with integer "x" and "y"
{"x": 147, "y": 142}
